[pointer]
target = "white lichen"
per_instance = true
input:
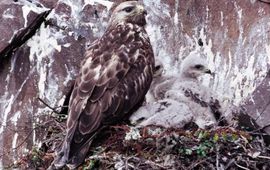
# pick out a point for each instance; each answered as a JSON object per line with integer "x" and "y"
{"x": 133, "y": 134}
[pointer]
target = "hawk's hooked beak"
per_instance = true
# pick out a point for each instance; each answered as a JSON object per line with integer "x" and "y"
{"x": 141, "y": 9}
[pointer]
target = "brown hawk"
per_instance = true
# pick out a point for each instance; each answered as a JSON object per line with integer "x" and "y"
{"x": 115, "y": 76}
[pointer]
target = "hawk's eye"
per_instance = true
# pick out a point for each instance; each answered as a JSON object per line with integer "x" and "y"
{"x": 157, "y": 67}
{"x": 128, "y": 9}
{"x": 199, "y": 66}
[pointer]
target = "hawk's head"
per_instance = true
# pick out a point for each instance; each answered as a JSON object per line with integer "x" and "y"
{"x": 130, "y": 12}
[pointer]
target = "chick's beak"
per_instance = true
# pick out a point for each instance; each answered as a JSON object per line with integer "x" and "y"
{"x": 144, "y": 12}
{"x": 207, "y": 71}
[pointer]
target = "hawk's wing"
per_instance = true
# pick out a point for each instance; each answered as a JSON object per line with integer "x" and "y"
{"x": 114, "y": 77}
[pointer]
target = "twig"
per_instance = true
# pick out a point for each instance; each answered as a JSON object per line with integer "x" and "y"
{"x": 98, "y": 157}
{"x": 262, "y": 112}
{"x": 239, "y": 166}
{"x": 264, "y": 1}
{"x": 53, "y": 109}
{"x": 53, "y": 138}
{"x": 24, "y": 140}
{"x": 217, "y": 158}
{"x": 155, "y": 164}
{"x": 266, "y": 126}
{"x": 28, "y": 135}
{"x": 262, "y": 128}
{"x": 263, "y": 157}
{"x": 229, "y": 164}
{"x": 196, "y": 164}
{"x": 127, "y": 164}
{"x": 57, "y": 124}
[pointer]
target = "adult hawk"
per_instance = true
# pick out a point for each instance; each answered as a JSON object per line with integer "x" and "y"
{"x": 115, "y": 76}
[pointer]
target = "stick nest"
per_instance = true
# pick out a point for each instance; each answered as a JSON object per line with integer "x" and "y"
{"x": 152, "y": 147}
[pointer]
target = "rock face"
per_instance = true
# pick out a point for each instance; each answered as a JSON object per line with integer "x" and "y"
{"x": 234, "y": 34}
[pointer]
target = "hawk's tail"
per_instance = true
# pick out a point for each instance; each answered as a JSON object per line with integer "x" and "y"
{"x": 61, "y": 158}
{"x": 78, "y": 157}
{"x": 72, "y": 158}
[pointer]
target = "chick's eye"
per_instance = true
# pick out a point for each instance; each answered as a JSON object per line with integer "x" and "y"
{"x": 140, "y": 119}
{"x": 128, "y": 9}
{"x": 198, "y": 66}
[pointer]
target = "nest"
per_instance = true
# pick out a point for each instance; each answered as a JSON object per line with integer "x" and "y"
{"x": 124, "y": 147}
